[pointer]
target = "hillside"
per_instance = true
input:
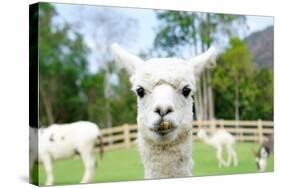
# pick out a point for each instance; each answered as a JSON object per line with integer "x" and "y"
{"x": 261, "y": 46}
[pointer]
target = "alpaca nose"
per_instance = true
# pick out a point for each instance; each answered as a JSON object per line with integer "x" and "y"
{"x": 163, "y": 110}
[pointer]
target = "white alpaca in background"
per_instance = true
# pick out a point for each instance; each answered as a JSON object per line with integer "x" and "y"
{"x": 164, "y": 87}
{"x": 64, "y": 141}
{"x": 218, "y": 140}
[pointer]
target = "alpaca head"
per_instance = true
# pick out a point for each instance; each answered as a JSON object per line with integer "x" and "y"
{"x": 164, "y": 87}
{"x": 261, "y": 158}
{"x": 202, "y": 134}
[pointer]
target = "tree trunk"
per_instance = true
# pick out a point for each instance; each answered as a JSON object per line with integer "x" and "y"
{"x": 210, "y": 96}
{"x": 197, "y": 112}
{"x": 237, "y": 104}
{"x": 198, "y": 95}
{"x": 204, "y": 90}
{"x": 106, "y": 94}
{"x": 205, "y": 96}
{"x": 47, "y": 105}
{"x": 208, "y": 74}
{"x": 210, "y": 101}
{"x": 198, "y": 101}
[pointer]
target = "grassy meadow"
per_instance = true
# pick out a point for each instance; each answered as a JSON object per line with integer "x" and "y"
{"x": 125, "y": 164}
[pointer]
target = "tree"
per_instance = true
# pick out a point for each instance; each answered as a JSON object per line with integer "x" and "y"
{"x": 68, "y": 90}
{"x": 242, "y": 91}
{"x": 62, "y": 65}
{"x": 263, "y": 104}
{"x": 104, "y": 29}
{"x": 238, "y": 65}
{"x": 199, "y": 31}
{"x": 92, "y": 88}
{"x": 124, "y": 109}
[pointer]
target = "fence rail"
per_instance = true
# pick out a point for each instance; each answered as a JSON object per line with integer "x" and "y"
{"x": 244, "y": 131}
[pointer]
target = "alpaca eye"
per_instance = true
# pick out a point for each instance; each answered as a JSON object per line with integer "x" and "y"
{"x": 186, "y": 91}
{"x": 140, "y": 92}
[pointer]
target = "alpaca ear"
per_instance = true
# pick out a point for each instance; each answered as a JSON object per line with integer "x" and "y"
{"x": 125, "y": 59}
{"x": 203, "y": 61}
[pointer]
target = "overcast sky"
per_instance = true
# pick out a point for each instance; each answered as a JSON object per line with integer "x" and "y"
{"x": 146, "y": 24}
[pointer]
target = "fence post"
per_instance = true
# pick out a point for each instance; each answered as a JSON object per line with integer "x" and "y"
{"x": 199, "y": 125}
{"x": 126, "y": 135}
{"x": 195, "y": 131}
{"x": 260, "y": 132}
{"x": 221, "y": 123}
{"x": 213, "y": 124}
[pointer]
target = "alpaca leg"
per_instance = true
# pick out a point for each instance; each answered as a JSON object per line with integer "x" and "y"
{"x": 229, "y": 155}
{"x": 89, "y": 165}
{"x": 234, "y": 156}
{"x": 47, "y": 163}
{"x": 219, "y": 157}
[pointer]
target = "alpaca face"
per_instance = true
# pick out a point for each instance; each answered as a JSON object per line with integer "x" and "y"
{"x": 201, "y": 134}
{"x": 164, "y": 87}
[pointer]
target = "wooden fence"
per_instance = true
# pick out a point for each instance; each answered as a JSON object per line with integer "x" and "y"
{"x": 244, "y": 131}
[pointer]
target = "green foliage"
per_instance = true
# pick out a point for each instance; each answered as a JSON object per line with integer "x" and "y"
{"x": 175, "y": 30}
{"x": 237, "y": 59}
{"x": 94, "y": 110}
{"x": 236, "y": 69}
{"x": 263, "y": 105}
{"x": 123, "y": 105}
{"x": 178, "y": 29}
{"x": 62, "y": 65}
{"x": 68, "y": 91}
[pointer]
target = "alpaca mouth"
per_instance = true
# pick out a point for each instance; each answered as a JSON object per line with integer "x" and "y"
{"x": 163, "y": 128}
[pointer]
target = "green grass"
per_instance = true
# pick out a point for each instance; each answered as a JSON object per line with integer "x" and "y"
{"x": 206, "y": 163}
{"x": 125, "y": 164}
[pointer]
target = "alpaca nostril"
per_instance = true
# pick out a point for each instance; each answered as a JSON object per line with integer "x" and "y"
{"x": 169, "y": 110}
{"x": 162, "y": 112}
{"x": 158, "y": 111}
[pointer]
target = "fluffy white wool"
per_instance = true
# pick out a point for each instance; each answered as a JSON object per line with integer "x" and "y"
{"x": 220, "y": 139}
{"x": 172, "y": 159}
{"x": 163, "y": 80}
{"x": 61, "y": 142}
{"x": 174, "y": 72}
{"x": 67, "y": 138}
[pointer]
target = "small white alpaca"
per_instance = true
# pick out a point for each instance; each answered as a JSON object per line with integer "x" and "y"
{"x": 218, "y": 140}
{"x": 164, "y": 87}
{"x": 64, "y": 141}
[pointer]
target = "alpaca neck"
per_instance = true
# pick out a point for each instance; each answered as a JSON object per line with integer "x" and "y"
{"x": 167, "y": 160}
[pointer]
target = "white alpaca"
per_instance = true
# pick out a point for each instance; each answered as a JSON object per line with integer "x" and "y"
{"x": 218, "y": 140}
{"x": 164, "y": 87}
{"x": 64, "y": 141}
